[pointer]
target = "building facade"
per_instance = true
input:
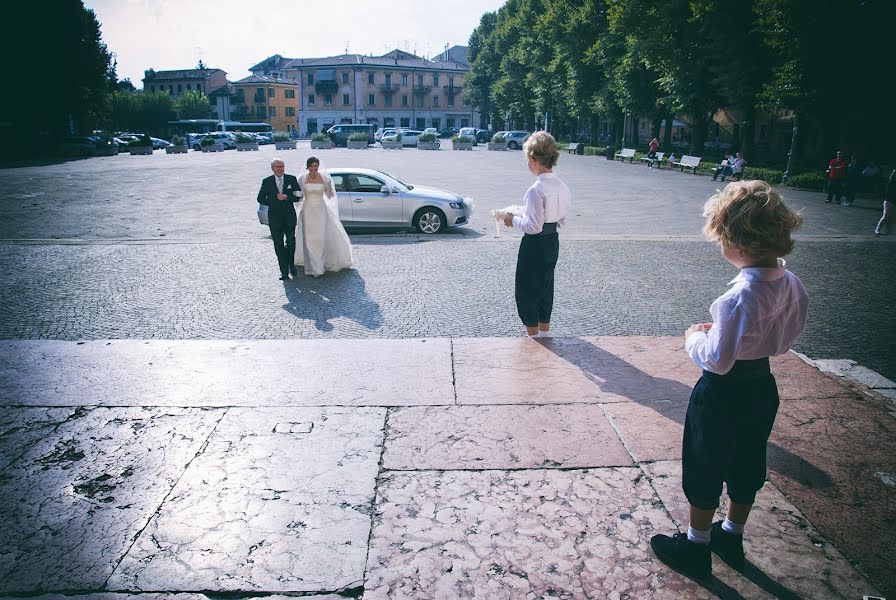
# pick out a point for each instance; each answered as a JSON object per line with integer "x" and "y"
{"x": 397, "y": 89}
{"x": 266, "y": 98}
{"x": 184, "y": 80}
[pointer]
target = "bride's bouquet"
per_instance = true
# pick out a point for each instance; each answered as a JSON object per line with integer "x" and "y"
{"x": 500, "y": 214}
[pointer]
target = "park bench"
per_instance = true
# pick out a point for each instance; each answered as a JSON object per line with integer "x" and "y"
{"x": 688, "y": 162}
{"x": 657, "y": 159}
{"x": 628, "y": 153}
{"x": 573, "y": 148}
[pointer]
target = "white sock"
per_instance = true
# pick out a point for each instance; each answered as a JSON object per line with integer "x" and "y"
{"x": 697, "y": 536}
{"x": 732, "y": 527}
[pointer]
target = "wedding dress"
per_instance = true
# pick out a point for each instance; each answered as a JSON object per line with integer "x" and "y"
{"x": 321, "y": 242}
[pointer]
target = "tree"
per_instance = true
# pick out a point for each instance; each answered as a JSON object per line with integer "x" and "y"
{"x": 64, "y": 68}
{"x": 155, "y": 109}
{"x": 193, "y": 105}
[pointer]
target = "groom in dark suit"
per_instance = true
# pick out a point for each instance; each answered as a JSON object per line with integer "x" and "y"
{"x": 279, "y": 193}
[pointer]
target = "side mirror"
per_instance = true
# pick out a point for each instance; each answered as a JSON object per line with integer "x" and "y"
{"x": 386, "y": 189}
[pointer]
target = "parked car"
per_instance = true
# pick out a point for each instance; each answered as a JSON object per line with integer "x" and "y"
{"x": 469, "y": 132}
{"x": 158, "y": 144}
{"x": 369, "y": 198}
{"x": 501, "y": 133}
{"x": 225, "y": 138}
{"x": 264, "y": 137}
{"x": 85, "y": 145}
{"x": 408, "y": 137}
{"x": 447, "y": 133}
{"x": 340, "y": 133}
{"x": 516, "y": 139}
{"x": 431, "y": 130}
{"x": 484, "y": 135}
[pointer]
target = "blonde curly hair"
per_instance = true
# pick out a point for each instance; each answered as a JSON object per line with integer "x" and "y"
{"x": 751, "y": 216}
{"x": 542, "y": 147}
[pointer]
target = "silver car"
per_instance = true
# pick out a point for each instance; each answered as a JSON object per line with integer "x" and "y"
{"x": 369, "y": 198}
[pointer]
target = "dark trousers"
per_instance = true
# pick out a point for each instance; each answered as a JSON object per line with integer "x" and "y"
{"x": 284, "y": 236}
{"x": 726, "y": 432}
{"x": 535, "y": 265}
{"x": 835, "y": 188}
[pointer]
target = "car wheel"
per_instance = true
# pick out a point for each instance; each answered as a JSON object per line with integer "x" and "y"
{"x": 513, "y": 145}
{"x": 197, "y": 148}
{"x": 429, "y": 220}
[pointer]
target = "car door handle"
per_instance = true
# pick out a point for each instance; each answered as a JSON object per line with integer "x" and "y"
{"x": 357, "y": 200}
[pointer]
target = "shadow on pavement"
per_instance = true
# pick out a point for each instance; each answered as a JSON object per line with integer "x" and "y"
{"x": 780, "y": 459}
{"x": 310, "y": 298}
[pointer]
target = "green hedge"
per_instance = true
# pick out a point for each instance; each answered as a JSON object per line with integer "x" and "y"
{"x": 595, "y": 150}
{"x": 772, "y": 176}
{"x": 807, "y": 181}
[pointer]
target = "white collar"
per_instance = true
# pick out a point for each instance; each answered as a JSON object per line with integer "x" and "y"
{"x": 755, "y": 274}
{"x": 546, "y": 175}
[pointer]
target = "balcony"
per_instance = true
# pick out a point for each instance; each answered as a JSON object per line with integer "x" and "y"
{"x": 326, "y": 86}
{"x": 453, "y": 90}
{"x": 388, "y": 88}
{"x": 421, "y": 90}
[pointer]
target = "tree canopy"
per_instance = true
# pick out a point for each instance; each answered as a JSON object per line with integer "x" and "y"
{"x": 582, "y": 59}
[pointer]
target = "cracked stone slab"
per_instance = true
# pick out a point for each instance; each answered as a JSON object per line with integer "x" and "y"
{"x": 226, "y": 373}
{"x": 263, "y": 509}
{"x": 787, "y": 556}
{"x": 652, "y": 430}
{"x": 519, "y": 534}
{"x": 73, "y": 503}
{"x": 501, "y": 437}
{"x": 162, "y": 596}
{"x": 20, "y": 428}
{"x": 571, "y": 370}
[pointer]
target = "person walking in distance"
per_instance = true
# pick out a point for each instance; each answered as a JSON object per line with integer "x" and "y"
{"x": 733, "y": 406}
{"x": 883, "y": 226}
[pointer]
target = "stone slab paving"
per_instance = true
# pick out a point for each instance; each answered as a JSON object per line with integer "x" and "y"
{"x": 542, "y": 487}
{"x": 73, "y": 502}
{"x": 502, "y": 437}
{"x": 780, "y": 541}
{"x": 279, "y": 501}
{"x": 226, "y": 373}
{"x": 519, "y": 534}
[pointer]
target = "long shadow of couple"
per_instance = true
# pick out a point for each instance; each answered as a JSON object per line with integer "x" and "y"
{"x": 669, "y": 398}
{"x": 334, "y": 295}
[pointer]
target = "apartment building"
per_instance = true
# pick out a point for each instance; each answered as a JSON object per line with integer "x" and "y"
{"x": 397, "y": 89}
{"x": 264, "y": 98}
{"x": 183, "y": 80}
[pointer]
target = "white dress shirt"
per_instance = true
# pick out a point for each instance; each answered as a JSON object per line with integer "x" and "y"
{"x": 279, "y": 182}
{"x": 547, "y": 201}
{"x": 762, "y": 315}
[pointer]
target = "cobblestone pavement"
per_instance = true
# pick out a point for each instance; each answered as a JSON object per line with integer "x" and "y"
{"x": 168, "y": 247}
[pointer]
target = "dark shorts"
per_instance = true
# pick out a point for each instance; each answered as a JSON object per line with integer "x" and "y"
{"x": 726, "y": 432}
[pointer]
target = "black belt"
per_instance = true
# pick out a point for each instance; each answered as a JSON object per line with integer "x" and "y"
{"x": 546, "y": 229}
{"x": 744, "y": 370}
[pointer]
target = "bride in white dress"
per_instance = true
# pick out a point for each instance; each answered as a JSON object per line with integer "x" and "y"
{"x": 321, "y": 241}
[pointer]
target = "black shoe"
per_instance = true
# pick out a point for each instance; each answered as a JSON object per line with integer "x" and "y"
{"x": 292, "y": 270}
{"x": 729, "y": 546}
{"x": 692, "y": 559}
{"x": 284, "y": 276}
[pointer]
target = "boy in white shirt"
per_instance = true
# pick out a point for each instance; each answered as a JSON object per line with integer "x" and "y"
{"x": 733, "y": 406}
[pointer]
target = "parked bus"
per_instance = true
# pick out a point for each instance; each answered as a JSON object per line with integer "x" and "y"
{"x": 185, "y": 126}
{"x": 239, "y": 126}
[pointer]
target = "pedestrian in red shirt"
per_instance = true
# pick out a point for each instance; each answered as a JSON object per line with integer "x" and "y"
{"x": 836, "y": 177}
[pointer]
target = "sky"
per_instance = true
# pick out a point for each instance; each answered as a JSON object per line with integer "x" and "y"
{"x": 234, "y": 35}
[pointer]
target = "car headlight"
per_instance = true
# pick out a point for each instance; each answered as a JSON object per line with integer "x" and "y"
{"x": 457, "y": 205}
